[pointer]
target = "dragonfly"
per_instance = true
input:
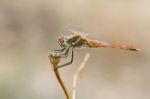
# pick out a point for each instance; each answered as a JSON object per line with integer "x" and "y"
{"x": 79, "y": 39}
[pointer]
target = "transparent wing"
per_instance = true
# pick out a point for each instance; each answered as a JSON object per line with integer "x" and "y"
{"x": 77, "y": 31}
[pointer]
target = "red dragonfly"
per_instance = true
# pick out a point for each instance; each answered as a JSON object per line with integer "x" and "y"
{"x": 79, "y": 39}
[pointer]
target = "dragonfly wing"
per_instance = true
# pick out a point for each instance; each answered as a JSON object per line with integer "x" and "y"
{"x": 77, "y": 31}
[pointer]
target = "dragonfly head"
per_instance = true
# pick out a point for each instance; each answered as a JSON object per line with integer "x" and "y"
{"x": 62, "y": 40}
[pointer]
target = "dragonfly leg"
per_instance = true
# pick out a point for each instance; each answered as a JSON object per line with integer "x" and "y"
{"x": 68, "y": 62}
{"x": 64, "y": 55}
{"x": 61, "y": 50}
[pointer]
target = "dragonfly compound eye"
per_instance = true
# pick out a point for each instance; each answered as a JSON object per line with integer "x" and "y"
{"x": 61, "y": 40}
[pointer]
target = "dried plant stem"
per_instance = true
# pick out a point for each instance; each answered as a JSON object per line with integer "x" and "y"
{"x": 75, "y": 78}
{"x": 62, "y": 83}
{"x": 55, "y": 59}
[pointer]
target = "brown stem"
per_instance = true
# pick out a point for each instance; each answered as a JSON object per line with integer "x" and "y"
{"x": 55, "y": 59}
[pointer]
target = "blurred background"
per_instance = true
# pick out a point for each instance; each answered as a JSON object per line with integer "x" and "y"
{"x": 29, "y": 30}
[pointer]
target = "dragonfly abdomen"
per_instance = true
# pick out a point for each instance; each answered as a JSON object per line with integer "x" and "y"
{"x": 95, "y": 43}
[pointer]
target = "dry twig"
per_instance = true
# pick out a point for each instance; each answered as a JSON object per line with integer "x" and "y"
{"x": 75, "y": 78}
{"x": 55, "y": 59}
